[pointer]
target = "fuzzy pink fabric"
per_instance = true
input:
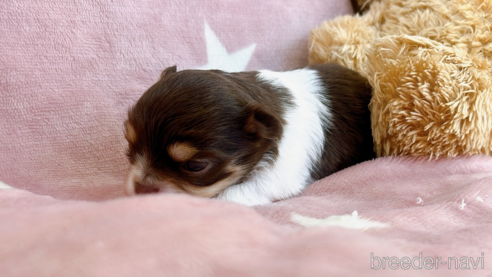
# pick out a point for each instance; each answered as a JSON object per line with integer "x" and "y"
{"x": 439, "y": 209}
{"x": 69, "y": 72}
{"x": 71, "y": 69}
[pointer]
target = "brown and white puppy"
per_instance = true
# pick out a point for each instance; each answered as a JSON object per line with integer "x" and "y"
{"x": 248, "y": 137}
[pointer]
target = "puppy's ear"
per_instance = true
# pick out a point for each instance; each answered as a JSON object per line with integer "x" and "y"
{"x": 262, "y": 123}
{"x": 169, "y": 70}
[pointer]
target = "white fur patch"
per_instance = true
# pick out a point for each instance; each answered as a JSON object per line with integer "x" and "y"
{"x": 133, "y": 175}
{"x": 301, "y": 145}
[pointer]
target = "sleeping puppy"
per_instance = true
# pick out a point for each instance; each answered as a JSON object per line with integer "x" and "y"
{"x": 247, "y": 137}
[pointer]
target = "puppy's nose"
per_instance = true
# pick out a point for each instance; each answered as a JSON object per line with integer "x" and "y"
{"x": 141, "y": 189}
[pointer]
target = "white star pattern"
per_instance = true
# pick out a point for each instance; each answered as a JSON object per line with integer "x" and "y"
{"x": 218, "y": 58}
{"x": 352, "y": 221}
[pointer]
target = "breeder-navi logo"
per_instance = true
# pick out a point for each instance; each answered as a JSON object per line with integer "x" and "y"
{"x": 419, "y": 262}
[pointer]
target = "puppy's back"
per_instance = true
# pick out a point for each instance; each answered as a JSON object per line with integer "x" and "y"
{"x": 348, "y": 135}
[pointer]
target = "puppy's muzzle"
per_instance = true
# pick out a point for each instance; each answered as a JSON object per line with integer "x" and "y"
{"x": 134, "y": 186}
{"x": 141, "y": 189}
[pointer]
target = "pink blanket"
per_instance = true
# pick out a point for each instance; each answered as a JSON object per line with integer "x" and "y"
{"x": 69, "y": 72}
{"x": 414, "y": 218}
{"x": 71, "y": 69}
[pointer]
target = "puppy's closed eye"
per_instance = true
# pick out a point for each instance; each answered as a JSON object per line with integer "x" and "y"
{"x": 184, "y": 153}
{"x": 196, "y": 165}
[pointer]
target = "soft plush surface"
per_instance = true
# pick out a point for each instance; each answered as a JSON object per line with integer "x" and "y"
{"x": 430, "y": 63}
{"x": 70, "y": 70}
{"x": 404, "y": 208}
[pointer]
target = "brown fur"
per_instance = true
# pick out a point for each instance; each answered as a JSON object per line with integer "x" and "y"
{"x": 225, "y": 123}
{"x": 349, "y": 141}
{"x": 232, "y": 131}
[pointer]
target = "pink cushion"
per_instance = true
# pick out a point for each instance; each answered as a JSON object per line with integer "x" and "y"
{"x": 405, "y": 208}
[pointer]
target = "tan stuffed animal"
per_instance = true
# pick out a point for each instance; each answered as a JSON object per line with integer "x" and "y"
{"x": 429, "y": 62}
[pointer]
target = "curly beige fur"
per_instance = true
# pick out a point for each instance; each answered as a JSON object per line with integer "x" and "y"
{"x": 429, "y": 62}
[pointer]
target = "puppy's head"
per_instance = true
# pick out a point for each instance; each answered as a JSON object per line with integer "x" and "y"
{"x": 197, "y": 132}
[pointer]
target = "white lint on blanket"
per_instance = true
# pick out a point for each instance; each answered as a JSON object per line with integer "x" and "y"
{"x": 4, "y": 186}
{"x": 352, "y": 221}
{"x": 463, "y": 204}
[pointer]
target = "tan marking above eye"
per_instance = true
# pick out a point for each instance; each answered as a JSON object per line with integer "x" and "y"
{"x": 181, "y": 151}
{"x": 237, "y": 172}
{"x": 130, "y": 134}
